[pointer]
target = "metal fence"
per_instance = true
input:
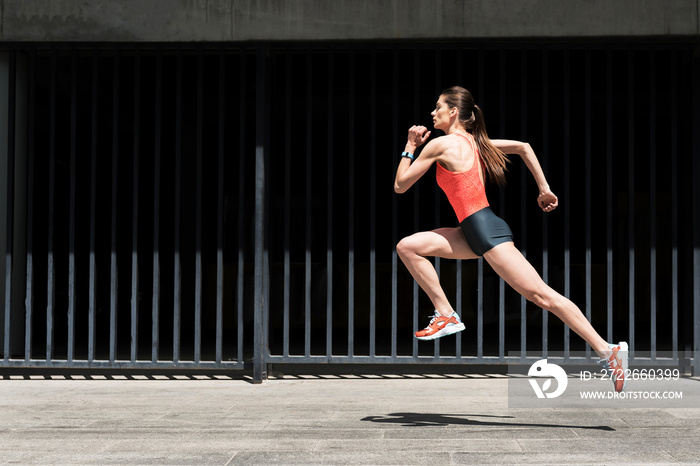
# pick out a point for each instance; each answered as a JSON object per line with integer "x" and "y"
{"x": 221, "y": 207}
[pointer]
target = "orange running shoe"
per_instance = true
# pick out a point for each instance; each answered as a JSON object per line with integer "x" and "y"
{"x": 616, "y": 363}
{"x": 440, "y": 326}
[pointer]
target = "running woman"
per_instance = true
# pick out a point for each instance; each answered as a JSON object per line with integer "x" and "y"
{"x": 465, "y": 157}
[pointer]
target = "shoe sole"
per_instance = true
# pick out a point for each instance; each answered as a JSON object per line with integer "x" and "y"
{"x": 449, "y": 330}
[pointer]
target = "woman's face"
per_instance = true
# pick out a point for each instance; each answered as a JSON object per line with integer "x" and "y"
{"x": 442, "y": 114}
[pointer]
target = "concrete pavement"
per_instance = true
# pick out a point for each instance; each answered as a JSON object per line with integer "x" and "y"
{"x": 332, "y": 419}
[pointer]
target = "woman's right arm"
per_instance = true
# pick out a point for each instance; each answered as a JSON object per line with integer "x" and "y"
{"x": 546, "y": 199}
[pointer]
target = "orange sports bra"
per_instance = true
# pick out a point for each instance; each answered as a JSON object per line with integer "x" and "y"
{"x": 464, "y": 189}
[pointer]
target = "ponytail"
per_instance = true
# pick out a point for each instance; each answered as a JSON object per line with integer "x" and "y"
{"x": 492, "y": 158}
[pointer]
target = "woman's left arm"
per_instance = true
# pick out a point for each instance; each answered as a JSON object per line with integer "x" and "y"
{"x": 546, "y": 199}
{"x": 407, "y": 173}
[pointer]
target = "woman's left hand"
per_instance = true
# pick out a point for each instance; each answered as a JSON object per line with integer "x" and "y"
{"x": 547, "y": 201}
{"x": 417, "y": 135}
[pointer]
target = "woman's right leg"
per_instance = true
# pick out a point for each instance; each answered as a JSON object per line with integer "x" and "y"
{"x": 511, "y": 265}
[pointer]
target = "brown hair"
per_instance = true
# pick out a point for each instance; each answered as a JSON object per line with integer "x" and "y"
{"x": 470, "y": 116}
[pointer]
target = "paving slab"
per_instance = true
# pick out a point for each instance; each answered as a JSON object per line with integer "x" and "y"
{"x": 323, "y": 420}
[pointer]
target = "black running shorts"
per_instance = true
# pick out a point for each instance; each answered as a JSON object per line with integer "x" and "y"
{"x": 484, "y": 230}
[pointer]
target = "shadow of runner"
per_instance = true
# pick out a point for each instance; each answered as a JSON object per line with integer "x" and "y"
{"x": 427, "y": 420}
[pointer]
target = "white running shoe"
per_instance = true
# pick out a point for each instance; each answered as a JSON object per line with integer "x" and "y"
{"x": 440, "y": 326}
{"x": 617, "y": 364}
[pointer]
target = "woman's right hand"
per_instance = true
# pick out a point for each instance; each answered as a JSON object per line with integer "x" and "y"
{"x": 547, "y": 201}
{"x": 417, "y": 135}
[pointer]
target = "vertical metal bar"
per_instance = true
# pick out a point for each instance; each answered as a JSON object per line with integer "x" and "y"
{"x": 115, "y": 180}
{"x": 351, "y": 208}
{"x": 502, "y": 209}
{"x": 51, "y": 271}
{"x": 309, "y": 181}
{"x": 17, "y": 151}
{"x": 394, "y": 201}
{"x": 71, "y": 221}
{"x": 135, "y": 211}
{"x": 567, "y": 189}
{"x": 631, "y": 195}
{"x": 266, "y": 241}
{"x": 10, "y": 193}
{"x": 29, "y": 291}
{"x": 92, "y": 293}
{"x": 416, "y": 193}
{"x": 480, "y": 260}
{"x": 198, "y": 215}
{"x": 177, "y": 276}
{"x": 458, "y": 305}
{"x": 287, "y": 199}
{"x": 373, "y": 208}
{"x": 259, "y": 373}
{"x": 220, "y": 212}
{"x": 652, "y": 199}
{"x": 609, "y": 196}
{"x": 545, "y": 223}
{"x": 155, "y": 324}
{"x": 696, "y": 215}
{"x": 13, "y": 108}
{"x": 458, "y": 262}
{"x": 436, "y": 192}
{"x": 674, "y": 205}
{"x": 523, "y": 195}
{"x": 589, "y": 256}
{"x": 329, "y": 214}
{"x": 242, "y": 109}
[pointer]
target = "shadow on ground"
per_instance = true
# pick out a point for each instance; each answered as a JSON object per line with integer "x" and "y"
{"x": 435, "y": 420}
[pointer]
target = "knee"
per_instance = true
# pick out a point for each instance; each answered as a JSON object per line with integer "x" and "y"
{"x": 405, "y": 248}
{"x": 542, "y": 298}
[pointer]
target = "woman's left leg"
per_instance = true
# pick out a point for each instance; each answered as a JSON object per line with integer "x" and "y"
{"x": 448, "y": 243}
{"x": 510, "y": 265}
{"x": 413, "y": 251}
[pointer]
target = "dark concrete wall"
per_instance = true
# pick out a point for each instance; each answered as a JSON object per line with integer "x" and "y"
{"x": 241, "y": 20}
